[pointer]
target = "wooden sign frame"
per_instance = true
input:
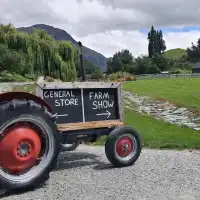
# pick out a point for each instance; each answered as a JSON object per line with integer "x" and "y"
{"x": 86, "y": 85}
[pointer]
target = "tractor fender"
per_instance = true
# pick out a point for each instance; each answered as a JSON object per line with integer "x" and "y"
{"x": 9, "y": 96}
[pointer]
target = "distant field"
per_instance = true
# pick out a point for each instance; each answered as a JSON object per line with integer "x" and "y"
{"x": 180, "y": 91}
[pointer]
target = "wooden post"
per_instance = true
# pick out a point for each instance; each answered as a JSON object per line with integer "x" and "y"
{"x": 81, "y": 62}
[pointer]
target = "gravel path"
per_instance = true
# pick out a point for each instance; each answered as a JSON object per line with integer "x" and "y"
{"x": 85, "y": 174}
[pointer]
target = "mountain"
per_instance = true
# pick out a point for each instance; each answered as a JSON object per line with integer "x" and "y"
{"x": 59, "y": 34}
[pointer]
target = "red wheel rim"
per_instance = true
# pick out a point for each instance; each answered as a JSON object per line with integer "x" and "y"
{"x": 124, "y": 146}
{"x": 19, "y": 148}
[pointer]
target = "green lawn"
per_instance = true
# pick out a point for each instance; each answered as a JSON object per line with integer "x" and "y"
{"x": 158, "y": 134}
{"x": 180, "y": 91}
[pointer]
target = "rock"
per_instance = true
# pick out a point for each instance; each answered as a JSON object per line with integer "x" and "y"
{"x": 165, "y": 113}
{"x": 180, "y": 110}
{"x": 191, "y": 125}
{"x": 40, "y": 79}
{"x": 196, "y": 119}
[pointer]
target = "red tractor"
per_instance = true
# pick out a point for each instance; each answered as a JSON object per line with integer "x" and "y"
{"x": 34, "y": 129}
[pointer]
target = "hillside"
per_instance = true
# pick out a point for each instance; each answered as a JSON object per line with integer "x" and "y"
{"x": 175, "y": 53}
{"x": 59, "y": 34}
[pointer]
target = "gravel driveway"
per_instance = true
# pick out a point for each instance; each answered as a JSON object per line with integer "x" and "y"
{"x": 85, "y": 174}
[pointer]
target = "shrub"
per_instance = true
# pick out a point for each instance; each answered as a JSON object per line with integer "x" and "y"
{"x": 97, "y": 74}
{"x": 121, "y": 77}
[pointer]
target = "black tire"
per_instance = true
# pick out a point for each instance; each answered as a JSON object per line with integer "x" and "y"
{"x": 110, "y": 146}
{"x": 20, "y": 111}
{"x": 70, "y": 147}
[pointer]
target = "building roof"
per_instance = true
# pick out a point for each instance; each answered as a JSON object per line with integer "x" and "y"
{"x": 196, "y": 65}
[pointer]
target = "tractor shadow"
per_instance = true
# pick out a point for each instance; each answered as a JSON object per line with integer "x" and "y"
{"x": 72, "y": 160}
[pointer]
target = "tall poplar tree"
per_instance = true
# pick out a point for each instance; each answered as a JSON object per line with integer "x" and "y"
{"x": 156, "y": 42}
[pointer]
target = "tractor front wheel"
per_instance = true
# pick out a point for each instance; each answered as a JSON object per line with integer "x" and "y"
{"x": 29, "y": 145}
{"x": 123, "y": 146}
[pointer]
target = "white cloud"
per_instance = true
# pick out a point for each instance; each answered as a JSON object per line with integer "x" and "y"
{"x": 108, "y": 26}
{"x": 110, "y": 42}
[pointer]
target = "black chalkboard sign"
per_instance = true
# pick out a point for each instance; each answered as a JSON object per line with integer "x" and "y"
{"x": 100, "y": 104}
{"x": 72, "y": 105}
{"x": 66, "y": 104}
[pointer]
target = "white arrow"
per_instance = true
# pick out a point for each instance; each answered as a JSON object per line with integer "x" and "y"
{"x": 106, "y": 113}
{"x": 56, "y": 115}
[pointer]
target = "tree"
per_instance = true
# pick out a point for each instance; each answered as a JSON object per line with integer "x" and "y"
{"x": 161, "y": 43}
{"x": 156, "y": 42}
{"x": 160, "y": 61}
{"x": 89, "y": 67}
{"x": 152, "y": 40}
{"x": 36, "y": 53}
{"x": 142, "y": 65}
{"x": 109, "y": 66}
{"x": 117, "y": 64}
{"x": 193, "y": 52}
{"x": 97, "y": 74}
{"x": 121, "y": 61}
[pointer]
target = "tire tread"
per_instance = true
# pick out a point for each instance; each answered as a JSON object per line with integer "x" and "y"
{"x": 15, "y": 106}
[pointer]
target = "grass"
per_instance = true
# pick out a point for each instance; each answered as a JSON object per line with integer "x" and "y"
{"x": 180, "y": 91}
{"x": 157, "y": 134}
{"x": 12, "y": 77}
{"x": 182, "y": 71}
{"x": 175, "y": 53}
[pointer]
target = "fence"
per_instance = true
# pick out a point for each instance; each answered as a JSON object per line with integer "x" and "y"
{"x": 152, "y": 76}
{"x": 138, "y": 77}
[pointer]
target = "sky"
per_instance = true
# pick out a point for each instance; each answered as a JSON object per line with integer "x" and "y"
{"x": 108, "y": 26}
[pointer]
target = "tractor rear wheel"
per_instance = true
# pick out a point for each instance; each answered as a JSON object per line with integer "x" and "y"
{"x": 29, "y": 145}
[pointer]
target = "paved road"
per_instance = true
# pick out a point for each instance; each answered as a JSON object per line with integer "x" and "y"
{"x": 87, "y": 175}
